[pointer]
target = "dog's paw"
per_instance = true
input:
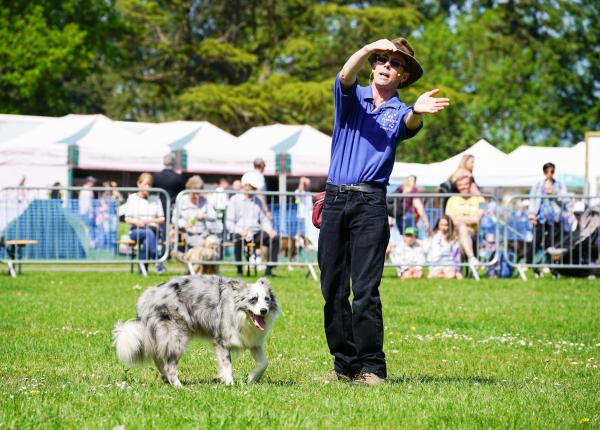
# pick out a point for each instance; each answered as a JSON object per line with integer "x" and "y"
{"x": 227, "y": 380}
{"x": 253, "y": 377}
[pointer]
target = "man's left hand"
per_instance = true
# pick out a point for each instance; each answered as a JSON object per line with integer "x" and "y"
{"x": 427, "y": 103}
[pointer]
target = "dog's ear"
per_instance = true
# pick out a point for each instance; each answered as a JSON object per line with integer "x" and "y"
{"x": 264, "y": 281}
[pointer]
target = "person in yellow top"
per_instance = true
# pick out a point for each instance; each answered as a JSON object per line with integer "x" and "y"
{"x": 465, "y": 212}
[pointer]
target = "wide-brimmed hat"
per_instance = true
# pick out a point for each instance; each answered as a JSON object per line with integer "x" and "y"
{"x": 411, "y": 65}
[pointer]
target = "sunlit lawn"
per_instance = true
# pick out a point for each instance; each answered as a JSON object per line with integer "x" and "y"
{"x": 489, "y": 354}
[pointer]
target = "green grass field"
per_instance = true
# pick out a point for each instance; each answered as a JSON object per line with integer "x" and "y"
{"x": 489, "y": 354}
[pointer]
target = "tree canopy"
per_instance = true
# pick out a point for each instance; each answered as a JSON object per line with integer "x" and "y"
{"x": 516, "y": 71}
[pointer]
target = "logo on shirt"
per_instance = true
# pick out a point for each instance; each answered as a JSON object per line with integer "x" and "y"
{"x": 389, "y": 120}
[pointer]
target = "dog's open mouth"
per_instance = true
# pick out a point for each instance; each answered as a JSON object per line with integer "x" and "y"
{"x": 258, "y": 320}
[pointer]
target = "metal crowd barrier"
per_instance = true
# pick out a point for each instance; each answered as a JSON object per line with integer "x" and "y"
{"x": 445, "y": 254}
{"x": 89, "y": 225}
{"x": 563, "y": 236}
{"x": 79, "y": 225}
{"x": 249, "y": 230}
{"x": 296, "y": 238}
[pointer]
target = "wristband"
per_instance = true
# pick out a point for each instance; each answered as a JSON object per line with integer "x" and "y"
{"x": 415, "y": 112}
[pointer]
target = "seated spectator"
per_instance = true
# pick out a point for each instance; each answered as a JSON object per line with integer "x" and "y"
{"x": 247, "y": 222}
{"x": 467, "y": 162}
{"x": 444, "y": 251}
{"x": 409, "y": 254}
{"x": 195, "y": 216}
{"x": 408, "y": 210}
{"x": 145, "y": 215}
{"x": 465, "y": 212}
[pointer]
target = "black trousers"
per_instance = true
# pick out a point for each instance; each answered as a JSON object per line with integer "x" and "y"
{"x": 352, "y": 242}
{"x": 259, "y": 238}
{"x": 545, "y": 235}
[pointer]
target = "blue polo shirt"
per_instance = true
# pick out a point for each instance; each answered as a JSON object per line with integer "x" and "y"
{"x": 364, "y": 141}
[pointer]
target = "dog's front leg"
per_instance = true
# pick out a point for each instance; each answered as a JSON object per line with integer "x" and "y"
{"x": 225, "y": 368}
{"x": 260, "y": 357}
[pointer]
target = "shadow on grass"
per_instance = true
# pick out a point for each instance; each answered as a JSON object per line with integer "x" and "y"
{"x": 442, "y": 379}
{"x": 215, "y": 381}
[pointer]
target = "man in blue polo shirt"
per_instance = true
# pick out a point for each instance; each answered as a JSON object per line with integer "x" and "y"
{"x": 369, "y": 123}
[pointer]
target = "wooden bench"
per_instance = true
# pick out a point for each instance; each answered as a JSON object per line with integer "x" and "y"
{"x": 15, "y": 247}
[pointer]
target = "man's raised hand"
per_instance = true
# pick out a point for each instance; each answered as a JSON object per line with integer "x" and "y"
{"x": 427, "y": 103}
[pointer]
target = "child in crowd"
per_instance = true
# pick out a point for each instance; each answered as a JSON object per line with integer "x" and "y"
{"x": 444, "y": 251}
{"x": 409, "y": 254}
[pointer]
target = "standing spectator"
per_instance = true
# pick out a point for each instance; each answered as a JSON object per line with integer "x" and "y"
{"x": 545, "y": 209}
{"x": 116, "y": 194}
{"x": 236, "y": 185}
{"x": 304, "y": 205}
{"x": 221, "y": 198}
{"x": 56, "y": 194}
{"x": 145, "y": 215}
{"x": 409, "y": 255}
{"x": 369, "y": 123}
{"x": 104, "y": 211}
{"x": 258, "y": 178}
{"x": 465, "y": 212}
{"x": 444, "y": 251}
{"x": 170, "y": 181}
{"x": 86, "y": 208}
{"x": 247, "y": 222}
{"x": 407, "y": 210}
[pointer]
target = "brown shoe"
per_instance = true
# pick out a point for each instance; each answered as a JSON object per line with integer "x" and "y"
{"x": 333, "y": 376}
{"x": 342, "y": 377}
{"x": 366, "y": 379}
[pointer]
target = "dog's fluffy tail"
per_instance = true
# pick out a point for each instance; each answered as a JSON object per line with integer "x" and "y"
{"x": 129, "y": 340}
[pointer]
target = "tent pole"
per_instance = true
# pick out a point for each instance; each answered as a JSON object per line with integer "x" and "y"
{"x": 586, "y": 186}
{"x": 282, "y": 203}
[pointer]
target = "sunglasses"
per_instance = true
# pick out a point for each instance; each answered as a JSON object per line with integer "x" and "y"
{"x": 394, "y": 62}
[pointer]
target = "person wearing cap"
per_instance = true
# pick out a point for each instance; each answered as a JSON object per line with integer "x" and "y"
{"x": 409, "y": 256}
{"x": 370, "y": 121}
{"x": 258, "y": 178}
{"x": 248, "y": 223}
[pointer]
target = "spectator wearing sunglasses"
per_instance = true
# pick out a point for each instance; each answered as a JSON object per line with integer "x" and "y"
{"x": 370, "y": 121}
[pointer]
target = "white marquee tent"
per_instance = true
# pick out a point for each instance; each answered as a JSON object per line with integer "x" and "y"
{"x": 37, "y": 155}
{"x": 38, "y": 149}
{"x": 487, "y": 169}
{"x": 207, "y": 148}
{"x": 308, "y": 150}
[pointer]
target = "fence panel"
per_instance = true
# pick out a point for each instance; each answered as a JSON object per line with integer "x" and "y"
{"x": 555, "y": 232}
{"x": 256, "y": 230}
{"x": 453, "y": 231}
{"x": 82, "y": 225}
{"x": 95, "y": 225}
{"x": 240, "y": 234}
